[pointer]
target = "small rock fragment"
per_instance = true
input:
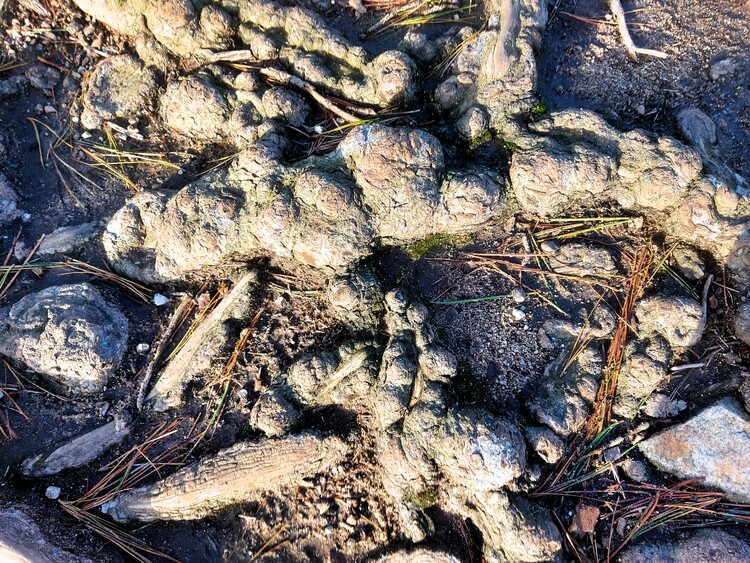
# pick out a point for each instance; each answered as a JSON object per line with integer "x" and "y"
{"x": 578, "y": 259}
{"x": 689, "y": 263}
{"x": 678, "y": 319}
{"x": 713, "y": 445}
{"x": 273, "y": 414}
{"x": 722, "y": 69}
{"x": 421, "y": 555}
{"x": 706, "y": 546}
{"x": 548, "y": 445}
{"x": 584, "y": 521}
{"x": 160, "y": 299}
{"x": 518, "y": 314}
{"x": 742, "y": 323}
{"x": 66, "y": 239}
{"x": 698, "y": 129}
{"x": 42, "y": 77}
{"x": 9, "y": 211}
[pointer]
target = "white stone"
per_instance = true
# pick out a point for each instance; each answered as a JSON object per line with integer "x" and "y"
{"x": 713, "y": 445}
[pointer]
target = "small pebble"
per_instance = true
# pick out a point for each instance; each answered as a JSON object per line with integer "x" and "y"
{"x": 160, "y": 299}
{"x": 52, "y": 493}
{"x": 549, "y": 247}
{"x": 142, "y": 348}
{"x": 518, "y": 295}
{"x": 518, "y": 314}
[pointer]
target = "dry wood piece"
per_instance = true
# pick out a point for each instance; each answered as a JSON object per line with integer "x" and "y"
{"x": 233, "y": 475}
{"x": 616, "y": 7}
{"x": 80, "y": 450}
{"x": 196, "y": 354}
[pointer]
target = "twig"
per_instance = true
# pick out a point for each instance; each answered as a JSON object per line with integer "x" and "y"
{"x": 294, "y": 81}
{"x": 685, "y": 367}
{"x": 619, "y": 14}
{"x": 164, "y": 341}
{"x": 704, "y": 300}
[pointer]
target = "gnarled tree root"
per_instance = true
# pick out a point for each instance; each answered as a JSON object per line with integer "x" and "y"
{"x": 231, "y": 476}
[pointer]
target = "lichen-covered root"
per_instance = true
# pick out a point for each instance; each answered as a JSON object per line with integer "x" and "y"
{"x": 231, "y": 476}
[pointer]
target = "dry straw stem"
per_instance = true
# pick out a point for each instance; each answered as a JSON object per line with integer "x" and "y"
{"x": 72, "y": 267}
{"x": 135, "y": 548}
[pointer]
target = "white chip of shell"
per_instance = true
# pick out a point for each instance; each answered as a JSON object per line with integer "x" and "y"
{"x": 160, "y": 299}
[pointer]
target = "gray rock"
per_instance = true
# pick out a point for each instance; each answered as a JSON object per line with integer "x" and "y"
{"x": 713, "y": 445}
{"x": 706, "y": 546}
{"x": 474, "y": 125}
{"x": 579, "y": 259}
{"x": 514, "y": 529}
{"x": 477, "y": 450}
{"x": 679, "y": 320}
{"x": 120, "y": 86}
{"x": 723, "y": 69}
{"x": 546, "y": 181}
{"x": 22, "y": 542}
{"x": 742, "y": 323}
{"x": 689, "y": 263}
{"x": 583, "y": 160}
{"x": 9, "y": 211}
{"x": 643, "y": 369}
{"x": 545, "y": 443}
{"x": 658, "y": 405}
{"x": 273, "y": 413}
{"x": 67, "y": 333}
{"x": 563, "y": 401}
{"x": 698, "y": 129}
{"x": 42, "y": 77}
{"x": 66, "y": 239}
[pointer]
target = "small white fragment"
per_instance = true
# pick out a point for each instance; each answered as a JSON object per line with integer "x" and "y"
{"x": 52, "y": 493}
{"x": 518, "y": 314}
{"x": 519, "y": 295}
{"x": 142, "y": 348}
{"x": 160, "y": 299}
{"x": 85, "y": 135}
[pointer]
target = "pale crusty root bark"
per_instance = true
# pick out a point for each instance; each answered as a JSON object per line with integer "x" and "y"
{"x": 233, "y": 475}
